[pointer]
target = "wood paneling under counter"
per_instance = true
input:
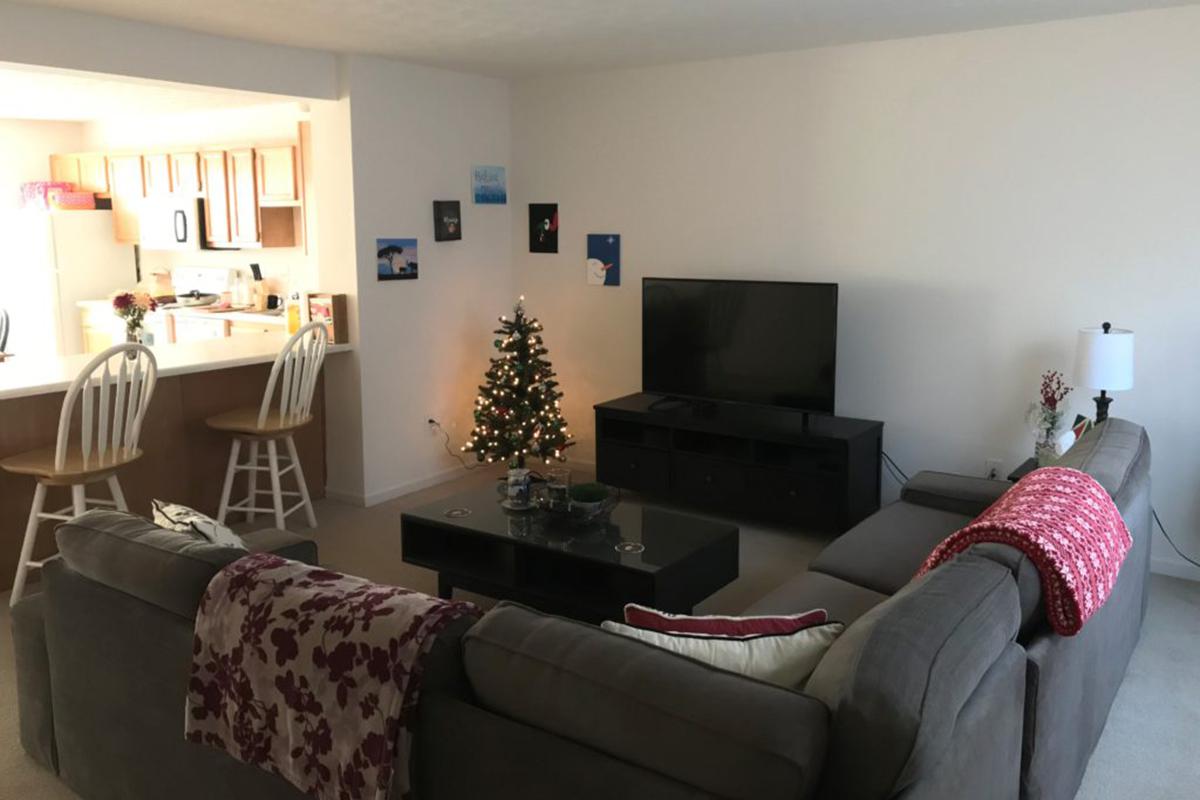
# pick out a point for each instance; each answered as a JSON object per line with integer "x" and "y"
{"x": 184, "y": 460}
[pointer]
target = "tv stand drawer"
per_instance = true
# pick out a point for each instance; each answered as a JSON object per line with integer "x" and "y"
{"x": 707, "y": 479}
{"x": 631, "y": 467}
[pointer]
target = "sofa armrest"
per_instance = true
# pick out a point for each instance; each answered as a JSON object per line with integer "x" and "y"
{"x": 35, "y": 708}
{"x": 282, "y": 543}
{"x": 961, "y": 494}
{"x": 719, "y": 732}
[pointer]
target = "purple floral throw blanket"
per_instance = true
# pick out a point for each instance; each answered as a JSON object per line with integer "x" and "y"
{"x": 312, "y": 675}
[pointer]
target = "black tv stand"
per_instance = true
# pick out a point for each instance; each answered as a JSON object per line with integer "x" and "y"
{"x": 817, "y": 470}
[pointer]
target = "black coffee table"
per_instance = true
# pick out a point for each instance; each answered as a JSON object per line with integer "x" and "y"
{"x": 639, "y": 554}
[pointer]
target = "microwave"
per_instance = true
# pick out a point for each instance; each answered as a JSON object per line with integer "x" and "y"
{"x": 169, "y": 224}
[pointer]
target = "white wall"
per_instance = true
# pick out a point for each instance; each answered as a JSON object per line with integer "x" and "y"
{"x": 424, "y": 344}
{"x": 77, "y": 40}
{"x": 978, "y": 197}
{"x": 25, "y": 149}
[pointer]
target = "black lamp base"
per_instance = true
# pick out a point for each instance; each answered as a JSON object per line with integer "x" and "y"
{"x": 1102, "y": 403}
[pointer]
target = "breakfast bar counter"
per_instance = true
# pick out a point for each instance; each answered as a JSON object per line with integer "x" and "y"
{"x": 25, "y": 377}
{"x": 183, "y": 462}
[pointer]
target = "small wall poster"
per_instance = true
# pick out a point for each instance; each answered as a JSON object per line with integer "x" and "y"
{"x": 604, "y": 259}
{"x": 489, "y": 186}
{"x": 543, "y": 227}
{"x": 397, "y": 259}
{"x": 447, "y": 221}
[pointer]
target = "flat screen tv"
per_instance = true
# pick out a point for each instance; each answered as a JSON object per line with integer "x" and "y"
{"x": 764, "y": 342}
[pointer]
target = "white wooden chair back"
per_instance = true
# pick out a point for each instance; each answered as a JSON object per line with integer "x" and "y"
{"x": 113, "y": 392}
{"x": 3, "y": 329}
{"x": 295, "y": 374}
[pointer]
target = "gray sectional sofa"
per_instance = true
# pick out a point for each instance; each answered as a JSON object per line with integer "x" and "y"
{"x": 950, "y": 686}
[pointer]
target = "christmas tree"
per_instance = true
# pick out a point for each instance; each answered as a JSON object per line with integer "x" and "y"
{"x": 517, "y": 411}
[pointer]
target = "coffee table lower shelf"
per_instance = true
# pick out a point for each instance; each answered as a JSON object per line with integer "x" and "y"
{"x": 585, "y": 584}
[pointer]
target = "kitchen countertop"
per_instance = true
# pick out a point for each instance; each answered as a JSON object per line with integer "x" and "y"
{"x": 23, "y": 378}
{"x": 198, "y": 312}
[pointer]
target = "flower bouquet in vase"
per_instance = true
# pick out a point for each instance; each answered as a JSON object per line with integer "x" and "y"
{"x": 132, "y": 307}
{"x": 1046, "y": 417}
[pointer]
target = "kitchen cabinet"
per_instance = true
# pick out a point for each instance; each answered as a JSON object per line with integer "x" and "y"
{"x": 127, "y": 185}
{"x": 243, "y": 205}
{"x": 218, "y": 231}
{"x": 198, "y": 329}
{"x": 88, "y": 171}
{"x": 239, "y": 328}
{"x": 102, "y": 328}
{"x": 64, "y": 169}
{"x": 156, "y": 173}
{"x": 185, "y": 174}
{"x": 277, "y": 176}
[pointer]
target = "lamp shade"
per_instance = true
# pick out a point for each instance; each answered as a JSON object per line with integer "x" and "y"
{"x": 1104, "y": 360}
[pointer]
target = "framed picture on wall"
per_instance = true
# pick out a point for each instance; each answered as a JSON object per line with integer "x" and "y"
{"x": 543, "y": 227}
{"x": 397, "y": 259}
{"x": 604, "y": 259}
{"x": 447, "y": 221}
{"x": 489, "y": 185}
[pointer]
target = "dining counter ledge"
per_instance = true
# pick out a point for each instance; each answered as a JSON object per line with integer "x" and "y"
{"x": 27, "y": 377}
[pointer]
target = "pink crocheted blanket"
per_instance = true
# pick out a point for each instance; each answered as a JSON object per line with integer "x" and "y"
{"x": 310, "y": 674}
{"x": 1068, "y": 526}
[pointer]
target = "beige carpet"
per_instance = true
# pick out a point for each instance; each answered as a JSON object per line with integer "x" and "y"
{"x": 1147, "y": 751}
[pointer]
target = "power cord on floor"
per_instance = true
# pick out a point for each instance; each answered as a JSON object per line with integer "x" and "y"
{"x": 449, "y": 449}
{"x": 1171, "y": 541}
{"x": 898, "y": 475}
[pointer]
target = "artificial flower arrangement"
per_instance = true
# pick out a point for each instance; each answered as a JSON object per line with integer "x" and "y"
{"x": 133, "y": 308}
{"x": 1046, "y": 415}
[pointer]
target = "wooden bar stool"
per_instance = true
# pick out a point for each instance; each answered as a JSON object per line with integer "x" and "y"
{"x": 280, "y": 414}
{"x": 112, "y": 393}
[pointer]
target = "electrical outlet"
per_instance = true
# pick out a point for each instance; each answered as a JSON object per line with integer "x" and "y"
{"x": 992, "y": 467}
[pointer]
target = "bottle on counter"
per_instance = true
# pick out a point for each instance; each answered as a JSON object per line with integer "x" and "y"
{"x": 294, "y": 317}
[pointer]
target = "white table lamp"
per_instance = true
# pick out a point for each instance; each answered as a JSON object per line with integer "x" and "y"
{"x": 1104, "y": 361}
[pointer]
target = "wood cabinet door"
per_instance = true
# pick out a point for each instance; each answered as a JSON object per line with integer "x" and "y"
{"x": 277, "y": 182}
{"x": 64, "y": 169}
{"x": 185, "y": 174}
{"x": 93, "y": 173}
{"x": 243, "y": 205}
{"x": 128, "y": 188}
{"x": 217, "y": 229}
{"x": 157, "y": 174}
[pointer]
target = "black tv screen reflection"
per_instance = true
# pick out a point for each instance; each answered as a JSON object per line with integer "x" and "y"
{"x": 763, "y": 342}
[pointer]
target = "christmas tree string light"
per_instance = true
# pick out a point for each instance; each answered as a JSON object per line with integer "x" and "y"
{"x": 517, "y": 411}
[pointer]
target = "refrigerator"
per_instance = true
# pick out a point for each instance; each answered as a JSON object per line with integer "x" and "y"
{"x": 55, "y": 259}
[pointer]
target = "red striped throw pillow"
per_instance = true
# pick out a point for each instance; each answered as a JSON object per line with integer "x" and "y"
{"x": 733, "y": 627}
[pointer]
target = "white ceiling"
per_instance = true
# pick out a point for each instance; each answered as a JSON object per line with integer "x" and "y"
{"x": 28, "y": 93}
{"x": 532, "y": 37}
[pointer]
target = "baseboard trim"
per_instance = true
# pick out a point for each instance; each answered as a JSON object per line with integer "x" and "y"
{"x": 399, "y": 490}
{"x": 349, "y": 498}
{"x": 1174, "y": 568}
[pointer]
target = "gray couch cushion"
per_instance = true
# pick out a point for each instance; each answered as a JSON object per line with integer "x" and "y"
{"x": 1112, "y": 453}
{"x": 719, "y": 732}
{"x": 135, "y": 556}
{"x": 884, "y": 551}
{"x": 166, "y": 568}
{"x": 844, "y": 601}
{"x": 961, "y": 494}
{"x": 897, "y": 679}
{"x": 1028, "y": 580}
{"x": 34, "y": 702}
